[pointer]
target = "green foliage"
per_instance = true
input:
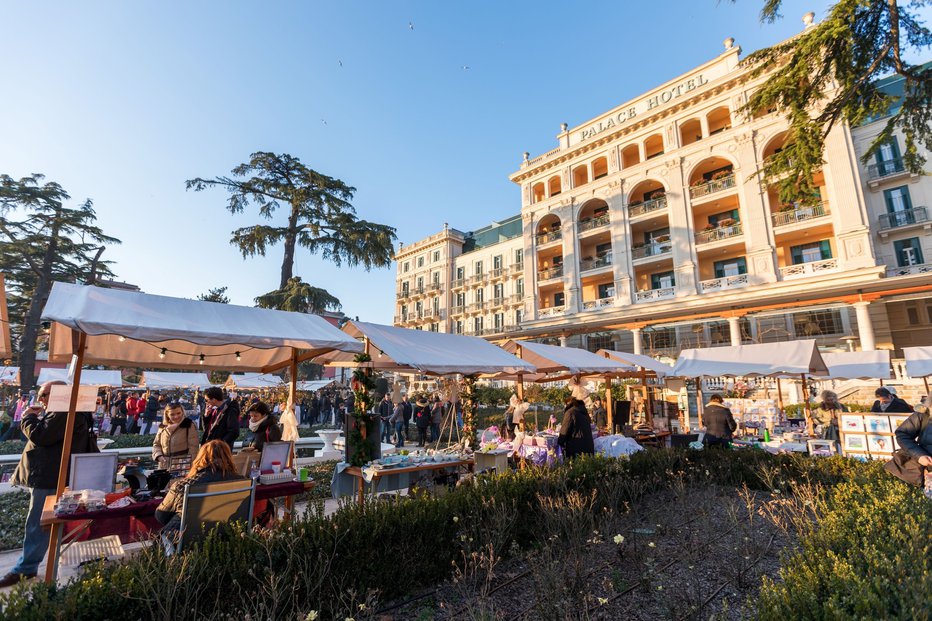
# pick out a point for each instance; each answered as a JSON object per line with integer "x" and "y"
{"x": 555, "y": 396}
{"x": 215, "y": 294}
{"x": 489, "y": 395}
{"x": 13, "y": 508}
{"x": 299, "y": 297}
{"x": 826, "y": 76}
{"x": 798, "y": 410}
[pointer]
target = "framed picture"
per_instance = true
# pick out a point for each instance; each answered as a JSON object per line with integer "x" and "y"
{"x": 855, "y": 442}
{"x": 879, "y": 444}
{"x": 896, "y": 420}
{"x": 859, "y": 456}
{"x": 821, "y": 448}
{"x": 852, "y": 423}
{"x": 877, "y": 424}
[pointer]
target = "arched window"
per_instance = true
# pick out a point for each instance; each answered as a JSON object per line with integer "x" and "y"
{"x": 690, "y": 132}
{"x": 630, "y": 156}
{"x": 653, "y": 146}
{"x": 580, "y": 176}
{"x": 599, "y": 167}
{"x": 719, "y": 120}
{"x": 554, "y": 185}
{"x": 537, "y": 192}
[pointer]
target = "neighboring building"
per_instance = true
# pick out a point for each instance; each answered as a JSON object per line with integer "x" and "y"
{"x": 647, "y": 230}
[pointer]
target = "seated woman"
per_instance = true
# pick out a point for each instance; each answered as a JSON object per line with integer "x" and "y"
{"x": 263, "y": 425}
{"x": 214, "y": 462}
{"x": 176, "y": 440}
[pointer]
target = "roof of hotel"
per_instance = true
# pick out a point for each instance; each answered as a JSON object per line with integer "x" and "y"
{"x": 494, "y": 233}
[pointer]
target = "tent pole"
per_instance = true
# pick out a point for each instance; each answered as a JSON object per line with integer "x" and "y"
{"x": 648, "y": 399}
{"x": 292, "y": 396}
{"x": 51, "y": 567}
{"x": 809, "y": 426}
{"x": 700, "y": 408}
{"x": 780, "y": 396}
{"x": 925, "y": 381}
{"x": 609, "y": 405}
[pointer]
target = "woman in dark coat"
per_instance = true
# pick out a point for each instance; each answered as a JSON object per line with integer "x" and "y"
{"x": 576, "y": 430}
{"x": 263, "y": 426}
{"x": 422, "y": 418}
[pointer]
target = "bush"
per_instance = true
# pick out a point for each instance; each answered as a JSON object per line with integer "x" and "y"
{"x": 13, "y": 508}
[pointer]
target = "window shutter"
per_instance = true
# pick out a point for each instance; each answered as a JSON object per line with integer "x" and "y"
{"x": 742, "y": 266}
{"x": 826, "y": 249}
{"x": 796, "y": 253}
{"x": 719, "y": 269}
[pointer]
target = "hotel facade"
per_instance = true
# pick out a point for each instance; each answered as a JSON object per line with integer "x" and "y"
{"x": 647, "y": 230}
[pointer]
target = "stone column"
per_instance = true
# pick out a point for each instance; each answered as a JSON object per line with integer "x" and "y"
{"x": 755, "y": 217}
{"x": 681, "y": 230}
{"x": 636, "y": 335}
{"x": 621, "y": 245}
{"x": 570, "y": 260}
{"x": 865, "y": 326}
{"x": 562, "y": 340}
{"x": 734, "y": 328}
{"x": 531, "y": 296}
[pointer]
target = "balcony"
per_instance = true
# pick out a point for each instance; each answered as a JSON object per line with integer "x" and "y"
{"x": 498, "y": 273}
{"x": 886, "y": 168}
{"x": 909, "y": 270}
{"x": 597, "y": 304}
{"x": 645, "y": 207}
{"x": 459, "y": 283}
{"x": 515, "y": 299}
{"x": 475, "y": 307}
{"x": 547, "y": 238}
{"x": 897, "y": 219}
{"x": 404, "y": 293}
{"x": 813, "y": 268}
{"x": 550, "y": 274}
{"x": 417, "y": 292}
{"x": 654, "y": 249}
{"x": 798, "y": 214}
{"x": 587, "y": 265}
{"x": 650, "y": 295}
{"x": 477, "y": 279}
{"x": 517, "y": 270}
{"x": 718, "y": 233}
{"x": 712, "y": 187}
{"x": 497, "y": 302}
{"x": 457, "y": 310}
{"x": 594, "y": 223}
{"x": 553, "y": 311}
{"x": 434, "y": 287}
{"x": 726, "y": 282}
{"x": 431, "y": 314}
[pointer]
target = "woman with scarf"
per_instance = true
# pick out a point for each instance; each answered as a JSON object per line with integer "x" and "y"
{"x": 176, "y": 440}
{"x": 263, "y": 426}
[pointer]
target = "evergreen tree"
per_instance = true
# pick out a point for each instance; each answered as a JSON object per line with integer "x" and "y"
{"x": 299, "y": 297}
{"x": 41, "y": 241}
{"x": 215, "y": 294}
{"x": 827, "y": 75}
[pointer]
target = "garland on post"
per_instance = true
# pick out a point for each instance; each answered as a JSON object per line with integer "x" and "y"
{"x": 362, "y": 384}
{"x": 469, "y": 412}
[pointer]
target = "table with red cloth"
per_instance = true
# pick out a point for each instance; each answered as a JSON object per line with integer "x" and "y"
{"x": 134, "y": 522}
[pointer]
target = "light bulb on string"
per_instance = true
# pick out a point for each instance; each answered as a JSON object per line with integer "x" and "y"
{"x": 380, "y": 353}
{"x": 201, "y": 360}
{"x": 238, "y": 358}
{"x": 122, "y": 339}
{"x": 162, "y": 353}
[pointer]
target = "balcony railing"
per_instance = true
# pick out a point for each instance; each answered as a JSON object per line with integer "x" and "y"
{"x": 517, "y": 270}
{"x": 906, "y": 217}
{"x": 499, "y": 272}
{"x": 648, "y": 295}
{"x": 459, "y": 283}
{"x": 594, "y": 223}
{"x": 515, "y": 298}
{"x": 546, "y": 238}
{"x": 593, "y": 264}
{"x": 477, "y": 278}
{"x": 885, "y": 168}
{"x": 553, "y": 272}
{"x": 553, "y": 311}
{"x": 639, "y": 209}
{"x": 434, "y": 286}
{"x": 799, "y": 214}
{"x": 653, "y": 249}
{"x": 711, "y": 187}
{"x": 597, "y": 304}
{"x": 475, "y": 307}
{"x": 499, "y": 301}
{"x": 457, "y": 310}
{"x": 726, "y": 282}
{"x": 416, "y": 291}
{"x": 801, "y": 270}
{"x": 910, "y": 270}
{"x": 403, "y": 294}
{"x": 719, "y": 233}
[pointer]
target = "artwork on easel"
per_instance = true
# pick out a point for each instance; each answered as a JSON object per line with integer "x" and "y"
{"x": 877, "y": 424}
{"x": 855, "y": 442}
{"x": 852, "y": 423}
{"x": 896, "y": 420}
{"x": 879, "y": 444}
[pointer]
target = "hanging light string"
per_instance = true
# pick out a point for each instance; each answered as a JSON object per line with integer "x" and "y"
{"x": 164, "y": 351}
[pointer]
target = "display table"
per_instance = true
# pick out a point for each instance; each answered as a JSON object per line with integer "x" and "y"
{"x": 395, "y": 478}
{"x": 496, "y": 460}
{"x": 657, "y": 439}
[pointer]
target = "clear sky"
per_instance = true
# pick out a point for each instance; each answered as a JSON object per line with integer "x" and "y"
{"x": 122, "y": 102}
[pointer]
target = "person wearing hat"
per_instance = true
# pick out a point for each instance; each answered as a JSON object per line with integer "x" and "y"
{"x": 422, "y": 419}
{"x": 888, "y": 403}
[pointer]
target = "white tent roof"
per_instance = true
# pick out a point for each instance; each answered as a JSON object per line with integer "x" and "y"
{"x": 164, "y": 379}
{"x": 918, "y": 361}
{"x": 254, "y": 380}
{"x": 784, "y": 358}
{"x": 572, "y": 360}
{"x": 312, "y": 385}
{"x": 858, "y": 365}
{"x": 433, "y": 353}
{"x": 637, "y": 360}
{"x": 9, "y": 375}
{"x": 89, "y": 377}
{"x": 229, "y": 337}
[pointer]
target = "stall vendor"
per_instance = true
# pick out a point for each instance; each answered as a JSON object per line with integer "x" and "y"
{"x": 263, "y": 426}
{"x": 222, "y": 422}
{"x": 176, "y": 440}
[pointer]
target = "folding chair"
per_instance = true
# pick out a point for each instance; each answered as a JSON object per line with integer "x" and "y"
{"x": 206, "y": 506}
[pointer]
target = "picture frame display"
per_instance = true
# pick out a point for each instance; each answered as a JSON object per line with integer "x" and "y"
{"x": 877, "y": 424}
{"x": 852, "y": 423}
{"x": 856, "y": 442}
{"x": 879, "y": 444}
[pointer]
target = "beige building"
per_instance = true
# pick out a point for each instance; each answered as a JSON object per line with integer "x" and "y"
{"x": 646, "y": 229}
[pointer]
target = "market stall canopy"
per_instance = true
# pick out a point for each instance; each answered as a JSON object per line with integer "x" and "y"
{"x": 254, "y": 381}
{"x": 162, "y": 332}
{"x": 89, "y": 377}
{"x": 312, "y": 385}
{"x": 918, "y": 361}
{"x": 637, "y": 360}
{"x": 430, "y": 353}
{"x": 6, "y": 349}
{"x": 164, "y": 379}
{"x": 862, "y": 365}
{"x": 557, "y": 359}
{"x": 9, "y": 375}
{"x": 784, "y": 358}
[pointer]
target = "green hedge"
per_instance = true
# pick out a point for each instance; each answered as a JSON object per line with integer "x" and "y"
{"x": 330, "y": 564}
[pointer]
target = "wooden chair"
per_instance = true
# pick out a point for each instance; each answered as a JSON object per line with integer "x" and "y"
{"x": 206, "y": 506}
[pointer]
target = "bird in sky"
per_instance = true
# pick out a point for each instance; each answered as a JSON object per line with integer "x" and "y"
{"x": 341, "y": 62}
{"x": 410, "y": 25}
{"x": 465, "y": 67}
{"x": 323, "y": 121}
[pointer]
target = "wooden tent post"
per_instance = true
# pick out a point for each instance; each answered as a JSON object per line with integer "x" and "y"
{"x": 51, "y": 567}
{"x": 810, "y": 430}
{"x": 925, "y": 381}
{"x": 648, "y": 399}
{"x": 699, "y": 404}
{"x": 780, "y": 397}
{"x": 609, "y": 405}
{"x": 292, "y": 397}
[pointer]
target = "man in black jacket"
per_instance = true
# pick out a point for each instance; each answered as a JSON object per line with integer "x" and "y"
{"x": 889, "y": 403}
{"x": 222, "y": 421}
{"x": 719, "y": 423}
{"x": 576, "y": 431}
{"x": 385, "y": 410}
{"x": 38, "y": 472}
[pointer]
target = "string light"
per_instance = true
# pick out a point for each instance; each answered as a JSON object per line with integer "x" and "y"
{"x": 238, "y": 357}
{"x": 201, "y": 361}
{"x": 162, "y": 353}
{"x": 122, "y": 339}
{"x": 380, "y": 353}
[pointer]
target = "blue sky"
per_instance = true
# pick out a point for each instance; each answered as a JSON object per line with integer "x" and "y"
{"x": 122, "y": 102}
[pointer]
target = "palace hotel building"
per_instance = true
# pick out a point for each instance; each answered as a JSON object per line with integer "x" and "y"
{"x": 647, "y": 230}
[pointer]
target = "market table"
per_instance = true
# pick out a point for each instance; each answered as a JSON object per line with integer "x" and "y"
{"x": 357, "y": 472}
{"x": 135, "y": 521}
{"x": 657, "y": 439}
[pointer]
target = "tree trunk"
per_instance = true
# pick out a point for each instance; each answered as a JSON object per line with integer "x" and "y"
{"x": 32, "y": 321}
{"x": 291, "y": 238}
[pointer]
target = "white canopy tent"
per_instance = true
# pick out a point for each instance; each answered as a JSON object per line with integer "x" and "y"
{"x": 314, "y": 385}
{"x": 430, "y": 353}
{"x": 919, "y": 363}
{"x": 784, "y": 358}
{"x": 637, "y": 360}
{"x": 558, "y": 359}
{"x": 9, "y": 375}
{"x": 862, "y": 365}
{"x": 114, "y": 327}
{"x": 89, "y": 377}
{"x": 253, "y": 381}
{"x": 159, "y": 380}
